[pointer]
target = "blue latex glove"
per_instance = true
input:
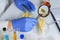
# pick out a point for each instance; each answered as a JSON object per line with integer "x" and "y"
{"x": 24, "y": 4}
{"x": 24, "y": 24}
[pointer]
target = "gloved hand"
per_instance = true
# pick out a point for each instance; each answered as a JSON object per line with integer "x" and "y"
{"x": 24, "y": 4}
{"x": 24, "y": 24}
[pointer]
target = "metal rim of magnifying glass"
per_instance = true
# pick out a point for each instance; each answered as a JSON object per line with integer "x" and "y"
{"x": 46, "y": 14}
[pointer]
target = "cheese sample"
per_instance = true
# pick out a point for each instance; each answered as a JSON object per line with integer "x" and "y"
{"x": 41, "y": 24}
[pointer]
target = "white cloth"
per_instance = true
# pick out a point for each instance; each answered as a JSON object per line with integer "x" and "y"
{"x": 3, "y": 5}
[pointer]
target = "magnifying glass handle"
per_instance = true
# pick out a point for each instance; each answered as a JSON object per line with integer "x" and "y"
{"x": 55, "y": 20}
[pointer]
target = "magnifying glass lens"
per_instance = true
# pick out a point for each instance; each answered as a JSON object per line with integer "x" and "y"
{"x": 43, "y": 10}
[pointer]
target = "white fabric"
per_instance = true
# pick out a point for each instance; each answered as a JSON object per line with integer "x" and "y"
{"x": 3, "y": 5}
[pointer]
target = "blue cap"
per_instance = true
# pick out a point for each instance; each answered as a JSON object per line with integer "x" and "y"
{"x": 22, "y": 36}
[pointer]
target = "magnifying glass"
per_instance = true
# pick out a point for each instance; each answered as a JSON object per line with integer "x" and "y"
{"x": 43, "y": 10}
{"x": 45, "y": 7}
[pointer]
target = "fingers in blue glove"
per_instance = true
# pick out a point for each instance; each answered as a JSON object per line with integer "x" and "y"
{"x": 29, "y": 6}
{"x": 32, "y": 20}
{"x": 18, "y": 4}
{"x": 24, "y": 4}
{"x": 32, "y": 6}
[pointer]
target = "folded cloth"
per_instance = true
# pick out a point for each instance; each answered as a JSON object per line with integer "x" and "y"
{"x": 24, "y": 24}
{"x": 24, "y": 4}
